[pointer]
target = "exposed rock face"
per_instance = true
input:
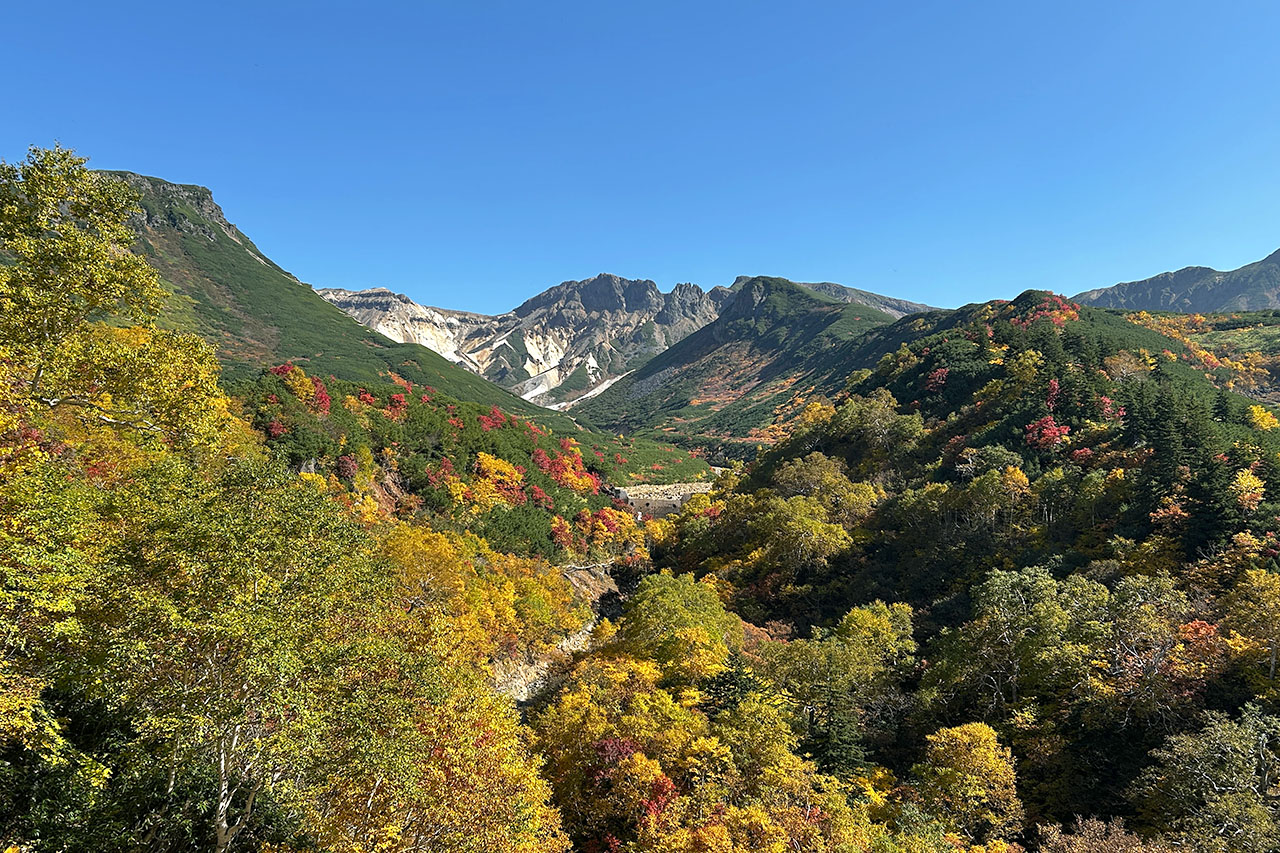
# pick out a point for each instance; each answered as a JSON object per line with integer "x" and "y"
{"x": 557, "y": 346}
{"x": 569, "y": 342}
{"x": 659, "y": 501}
{"x": 1252, "y": 287}
{"x": 187, "y": 208}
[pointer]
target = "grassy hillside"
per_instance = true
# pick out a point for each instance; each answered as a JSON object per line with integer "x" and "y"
{"x": 256, "y": 314}
{"x": 773, "y": 346}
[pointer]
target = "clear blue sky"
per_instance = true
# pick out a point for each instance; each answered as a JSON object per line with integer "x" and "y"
{"x": 471, "y": 154}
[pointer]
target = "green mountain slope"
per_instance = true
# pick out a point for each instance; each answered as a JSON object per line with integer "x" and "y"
{"x": 890, "y": 305}
{"x": 774, "y": 344}
{"x": 256, "y": 314}
{"x": 1252, "y": 287}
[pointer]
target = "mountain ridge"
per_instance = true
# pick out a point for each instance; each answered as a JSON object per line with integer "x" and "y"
{"x": 1196, "y": 290}
{"x": 769, "y": 348}
{"x": 569, "y": 341}
{"x": 555, "y": 346}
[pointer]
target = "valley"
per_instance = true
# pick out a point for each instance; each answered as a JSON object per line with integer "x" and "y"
{"x": 992, "y": 579}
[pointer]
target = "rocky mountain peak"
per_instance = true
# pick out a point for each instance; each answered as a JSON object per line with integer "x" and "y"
{"x": 555, "y": 347}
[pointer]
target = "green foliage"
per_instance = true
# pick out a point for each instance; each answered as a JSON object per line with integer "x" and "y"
{"x": 1215, "y": 789}
{"x": 681, "y": 625}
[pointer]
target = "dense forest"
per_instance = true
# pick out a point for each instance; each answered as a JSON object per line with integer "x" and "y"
{"x": 1012, "y": 589}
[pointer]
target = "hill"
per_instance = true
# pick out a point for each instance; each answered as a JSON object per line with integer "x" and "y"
{"x": 256, "y": 314}
{"x": 1252, "y": 287}
{"x": 773, "y": 345}
{"x": 890, "y": 305}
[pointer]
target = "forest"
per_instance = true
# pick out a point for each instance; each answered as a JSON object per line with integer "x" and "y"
{"x": 1013, "y": 589}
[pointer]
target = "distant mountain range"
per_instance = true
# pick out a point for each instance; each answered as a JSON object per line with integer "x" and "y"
{"x": 570, "y": 342}
{"x": 1252, "y": 287}
{"x": 553, "y": 348}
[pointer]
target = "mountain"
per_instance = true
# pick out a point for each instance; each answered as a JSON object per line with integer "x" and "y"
{"x": 256, "y": 314}
{"x": 888, "y": 304}
{"x": 570, "y": 342}
{"x": 1196, "y": 290}
{"x": 773, "y": 345}
{"x": 556, "y": 347}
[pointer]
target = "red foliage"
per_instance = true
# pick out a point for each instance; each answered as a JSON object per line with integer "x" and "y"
{"x": 283, "y": 369}
{"x": 566, "y": 469}
{"x": 397, "y": 407}
{"x": 561, "y": 533}
{"x": 494, "y": 420}
{"x": 662, "y": 793}
{"x": 954, "y": 445}
{"x": 346, "y": 467}
{"x": 1109, "y": 409}
{"x": 1082, "y": 455}
{"x": 437, "y": 475}
{"x": 1051, "y": 400}
{"x": 275, "y": 429}
{"x": 367, "y": 398}
{"x": 321, "y": 401}
{"x": 541, "y": 498}
{"x": 1046, "y": 433}
{"x": 937, "y": 379}
{"x": 619, "y": 459}
{"x": 1054, "y": 308}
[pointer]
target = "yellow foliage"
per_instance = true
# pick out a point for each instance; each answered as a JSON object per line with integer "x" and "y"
{"x": 1261, "y": 419}
{"x": 968, "y": 780}
{"x": 1247, "y": 488}
{"x": 301, "y": 386}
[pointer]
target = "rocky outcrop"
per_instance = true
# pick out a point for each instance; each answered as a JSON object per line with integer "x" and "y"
{"x": 661, "y": 500}
{"x": 187, "y": 208}
{"x": 553, "y": 348}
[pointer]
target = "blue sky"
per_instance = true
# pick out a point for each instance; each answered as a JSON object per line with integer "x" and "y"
{"x": 472, "y": 154}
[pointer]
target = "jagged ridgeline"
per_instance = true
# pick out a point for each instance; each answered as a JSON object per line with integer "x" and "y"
{"x": 1002, "y": 566}
{"x": 572, "y": 341}
{"x": 556, "y": 347}
{"x": 257, "y": 314}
